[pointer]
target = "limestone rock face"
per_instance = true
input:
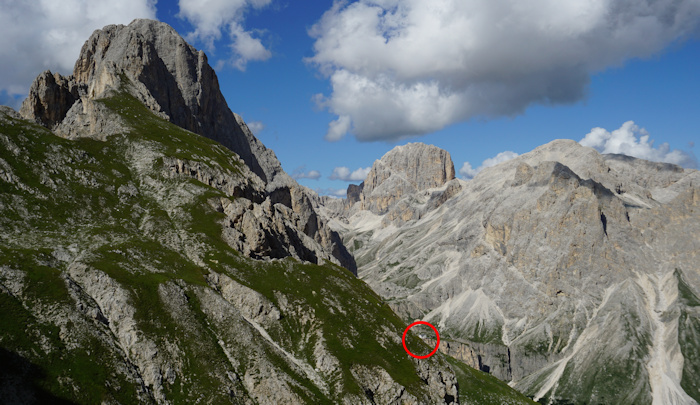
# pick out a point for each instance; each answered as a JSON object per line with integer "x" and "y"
{"x": 405, "y": 170}
{"x": 175, "y": 79}
{"x": 167, "y": 74}
{"x": 567, "y": 272}
{"x": 126, "y": 277}
{"x": 50, "y": 98}
{"x": 152, "y": 62}
{"x": 405, "y": 184}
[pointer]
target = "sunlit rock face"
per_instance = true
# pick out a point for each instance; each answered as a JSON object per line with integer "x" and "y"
{"x": 150, "y": 61}
{"x": 572, "y": 274}
{"x": 405, "y": 170}
{"x": 143, "y": 263}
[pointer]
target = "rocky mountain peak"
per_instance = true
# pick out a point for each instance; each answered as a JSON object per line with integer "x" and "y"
{"x": 405, "y": 170}
{"x": 150, "y": 61}
{"x": 420, "y": 165}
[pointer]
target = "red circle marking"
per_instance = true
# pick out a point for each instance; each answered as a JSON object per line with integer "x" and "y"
{"x": 403, "y": 339}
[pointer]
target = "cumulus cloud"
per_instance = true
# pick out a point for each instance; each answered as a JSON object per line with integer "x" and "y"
{"x": 632, "y": 140}
{"x": 211, "y": 18}
{"x": 338, "y": 128}
{"x": 344, "y": 173}
{"x": 256, "y": 126}
{"x": 468, "y": 172}
{"x": 332, "y": 192}
{"x": 408, "y": 67}
{"x": 48, "y": 34}
{"x": 301, "y": 173}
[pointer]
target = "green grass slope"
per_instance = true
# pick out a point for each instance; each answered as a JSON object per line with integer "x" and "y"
{"x": 107, "y": 262}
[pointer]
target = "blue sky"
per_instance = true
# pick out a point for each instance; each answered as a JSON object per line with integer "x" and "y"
{"x": 476, "y": 78}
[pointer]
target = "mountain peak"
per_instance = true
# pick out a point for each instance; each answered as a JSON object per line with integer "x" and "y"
{"x": 427, "y": 166}
{"x": 150, "y": 61}
{"x": 405, "y": 170}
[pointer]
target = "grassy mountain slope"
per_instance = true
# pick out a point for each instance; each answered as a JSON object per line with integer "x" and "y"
{"x": 116, "y": 286}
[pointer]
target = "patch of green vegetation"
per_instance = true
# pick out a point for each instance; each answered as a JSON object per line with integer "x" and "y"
{"x": 29, "y": 143}
{"x": 36, "y": 357}
{"x": 64, "y": 180}
{"x": 14, "y": 324}
{"x": 477, "y": 387}
{"x": 477, "y": 332}
{"x": 410, "y": 281}
{"x": 203, "y": 357}
{"x": 175, "y": 141}
{"x": 368, "y": 257}
{"x": 535, "y": 347}
{"x": 357, "y": 244}
{"x": 602, "y": 376}
{"x": 128, "y": 264}
{"x": 43, "y": 280}
{"x": 483, "y": 334}
{"x": 685, "y": 294}
{"x": 606, "y": 381}
{"x": 689, "y": 336}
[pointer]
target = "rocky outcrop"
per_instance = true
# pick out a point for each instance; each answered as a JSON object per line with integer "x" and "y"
{"x": 50, "y": 98}
{"x": 122, "y": 281}
{"x": 536, "y": 261}
{"x": 153, "y": 63}
{"x": 353, "y": 193}
{"x": 90, "y": 119}
{"x": 380, "y": 389}
{"x": 402, "y": 171}
{"x": 405, "y": 184}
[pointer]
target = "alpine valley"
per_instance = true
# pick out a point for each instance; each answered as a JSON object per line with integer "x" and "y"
{"x": 152, "y": 250}
{"x": 572, "y": 275}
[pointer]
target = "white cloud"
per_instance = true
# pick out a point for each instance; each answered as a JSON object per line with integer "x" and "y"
{"x": 632, "y": 140}
{"x": 344, "y": 173}
{"x": 338, "y": 128}
{"x": 48, "y": 34}
{"x": 246, "y": 48}
{"x": 211, "y": 18}
{"x": 255, "y": 127}
{"x": 409, "y": 67}
{"x": 332, "y": 192}
{"x": 301, "y": 173}
{"x": 467, "y": 172}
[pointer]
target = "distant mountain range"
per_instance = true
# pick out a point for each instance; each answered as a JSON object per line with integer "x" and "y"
{"x": 152, "y": 250}
{"x": 572, "y": 275}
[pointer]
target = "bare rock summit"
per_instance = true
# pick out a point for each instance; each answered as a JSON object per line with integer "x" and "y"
{"x": 150, "y": 61}
{"x": 405, "y": 170}
{"x": 168, "y": 75}
{"x": 571, "y": 274}
{"x": 407, "y": 182}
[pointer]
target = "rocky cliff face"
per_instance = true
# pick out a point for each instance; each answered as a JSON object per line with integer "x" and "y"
{"x": 573, "y": 275}
{"x": 404, "y": 171}
{"x": 128, "y": 249}
{"x": 405, "y": 175}
{"x": 125, "y": 278}
{"x": 151, "y": 62}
